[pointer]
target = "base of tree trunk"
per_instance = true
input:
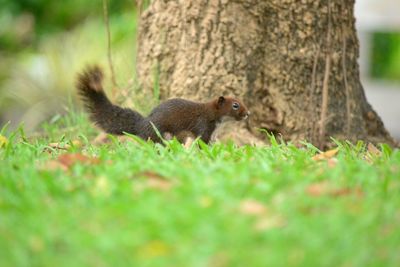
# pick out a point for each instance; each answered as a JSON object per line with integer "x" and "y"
{"x": 293, "y": 63}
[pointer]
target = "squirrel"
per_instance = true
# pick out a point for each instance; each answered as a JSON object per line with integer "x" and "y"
{"x": 176, "y": 117}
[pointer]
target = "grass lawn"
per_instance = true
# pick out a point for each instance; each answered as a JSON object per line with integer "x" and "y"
{"x": 139, "y": 204}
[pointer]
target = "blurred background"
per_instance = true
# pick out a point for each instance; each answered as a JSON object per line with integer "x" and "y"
{"x": 378, "y": 26}
{"x": 43, "y": 43}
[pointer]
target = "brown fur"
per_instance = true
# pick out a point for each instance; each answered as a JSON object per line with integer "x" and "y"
{"x": 176, "y": 117}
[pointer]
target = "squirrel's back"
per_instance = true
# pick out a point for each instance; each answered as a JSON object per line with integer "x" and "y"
{"x": 177, "y": 115}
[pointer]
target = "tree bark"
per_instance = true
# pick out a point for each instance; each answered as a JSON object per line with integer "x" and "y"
{"x": 293, "y": 62}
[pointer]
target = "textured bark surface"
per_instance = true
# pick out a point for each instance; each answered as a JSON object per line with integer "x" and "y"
{"x": 278, "y": 55}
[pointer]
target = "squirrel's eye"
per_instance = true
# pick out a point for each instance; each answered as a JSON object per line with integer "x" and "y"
{"x": 235, "y": 106}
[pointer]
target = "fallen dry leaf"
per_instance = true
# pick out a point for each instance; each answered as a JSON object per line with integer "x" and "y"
{"x": 374, "y": 150}
{"x": 62, "y": 146}
{"x": 326, "y": 189}
{"x": 156, "y": 181}
{"x": 71, "y": 159}
{"x": 252, "y": 207}
{"x": 103, "y": 138}
{"x": 264, "y": 220}
{"x": 372, "y": 153}
{"x": 317, "y": 189}
{"x": 346, "y": 191}
{"x": 151, "y": 175}
{"x": 52, "y": 165}
{"x": 332, "y": 162}
{"x": 159, "y": 184}
{"x": 326, "y": 155}
{"x": 66, "y": 161}
{"x": 65, "y": 146}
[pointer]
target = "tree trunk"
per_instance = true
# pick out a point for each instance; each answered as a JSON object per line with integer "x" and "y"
{"x": 293, "y": 62}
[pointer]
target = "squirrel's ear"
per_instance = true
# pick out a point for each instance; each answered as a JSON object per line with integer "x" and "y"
{"x": 221, "y": 100}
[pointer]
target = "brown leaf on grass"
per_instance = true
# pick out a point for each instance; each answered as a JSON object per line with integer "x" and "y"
{"x": 63, "y": 146}
{"x": 52, "y": 165}
{"x": 264, "y": 219}
{"x": 317, "y": 189}
{"x": 252, "y": 207}
{"x": 156, "y": 181}
{"x": 151, "y": 175}
{"x": 103, "y": 138}
{"x": 326, "y": 155}
{"x": 346, "y": 191}
{"x": 162, "y": 185}
{"x": 332, "y": 162}
{"x": 372, "y": 153}
{"x": 66, "y": 161}
{"x": 71, "y": 159}
{"x": 373, "y": 150}
{"x": 326, "y": 189}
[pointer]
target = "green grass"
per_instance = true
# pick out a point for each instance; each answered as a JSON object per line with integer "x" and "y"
{"x": 218, "y": 205}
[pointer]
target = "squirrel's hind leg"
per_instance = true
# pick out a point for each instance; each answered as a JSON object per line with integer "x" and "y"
{"x": 186, "y": 138}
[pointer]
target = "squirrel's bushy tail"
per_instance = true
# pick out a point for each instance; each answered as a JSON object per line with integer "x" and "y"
{"x": 111, "y": 118}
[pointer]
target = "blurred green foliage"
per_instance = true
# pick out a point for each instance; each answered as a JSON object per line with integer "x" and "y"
{"x": 386, "y": 56}
{"x": 22, "y": 22}
{"x": 43, "y": 44}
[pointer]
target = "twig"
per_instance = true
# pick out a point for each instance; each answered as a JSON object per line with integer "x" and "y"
{"x": 139, "y": 4}
{"x": 139, "y": 7}
{"x": 314, "y": 70}
{"x": 346, "y": 85}
{"x": 110, "y": 63}
{"x": 325, "y": 86}
{"x": 312, "y": 88}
